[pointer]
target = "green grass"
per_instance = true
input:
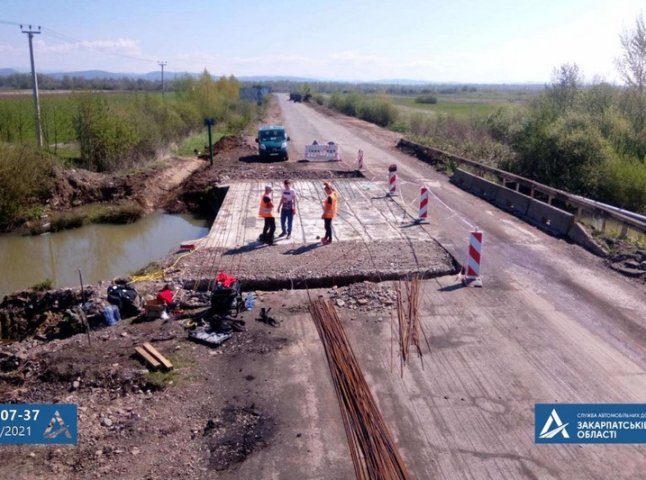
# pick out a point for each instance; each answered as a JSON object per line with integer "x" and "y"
{"x": 464, "y": 105}
{"x": 457, "y": 105}
{"x": 43, "y": 286}
{"x": 126, "y": 212}
{"x": 183, "y": 370}
{"x": 197, "y": 142}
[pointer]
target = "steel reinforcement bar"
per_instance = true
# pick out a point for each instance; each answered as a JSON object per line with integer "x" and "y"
{"x": 372, "y": 446}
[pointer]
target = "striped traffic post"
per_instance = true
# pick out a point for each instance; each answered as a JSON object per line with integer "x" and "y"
{"x": 474, "y": 256}
{"x": 392, "y": 180}
{"x": 422, "y": 217}
{"x": 360, "y": 160}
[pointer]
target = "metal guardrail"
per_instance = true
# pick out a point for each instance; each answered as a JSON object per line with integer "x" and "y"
{"x": 583, "y": 208}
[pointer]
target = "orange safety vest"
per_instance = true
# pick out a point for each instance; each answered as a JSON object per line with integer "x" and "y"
{"x": 265, "y": 207}
{"x": 329, "y": 209}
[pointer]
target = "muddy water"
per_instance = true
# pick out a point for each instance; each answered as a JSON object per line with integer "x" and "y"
{"x": 101, "y": 252}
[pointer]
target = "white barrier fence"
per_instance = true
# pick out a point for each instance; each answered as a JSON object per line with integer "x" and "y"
{"x": 328, "y": 152}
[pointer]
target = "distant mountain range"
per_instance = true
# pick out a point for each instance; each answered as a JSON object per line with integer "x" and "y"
{"x": 93, "y": 74}
{"x": 152, "y": 76}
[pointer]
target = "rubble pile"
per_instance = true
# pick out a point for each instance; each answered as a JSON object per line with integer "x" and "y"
{"x": 364, "y": 296}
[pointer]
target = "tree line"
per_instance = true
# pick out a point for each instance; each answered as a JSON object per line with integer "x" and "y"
{"x": 22, "y": 81}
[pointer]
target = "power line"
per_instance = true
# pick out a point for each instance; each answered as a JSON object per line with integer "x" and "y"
{"x": 7, "y": 22}
{"x": 67, "y": 38}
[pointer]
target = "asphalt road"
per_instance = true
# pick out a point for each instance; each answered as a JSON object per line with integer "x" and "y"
{"x": 551, "y": 324}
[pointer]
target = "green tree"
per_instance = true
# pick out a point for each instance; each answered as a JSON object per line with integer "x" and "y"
{"x": 632, "y": 67}
{"x": 106, "y": 138}
{"x": 632, "y": 64}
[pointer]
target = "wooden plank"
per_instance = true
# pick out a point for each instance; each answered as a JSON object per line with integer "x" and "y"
{"x": 149, "y": 359}
{"x": 158, "y": 356}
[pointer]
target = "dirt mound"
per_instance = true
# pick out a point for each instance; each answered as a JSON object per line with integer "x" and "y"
{"x": 79, "y": 187}
{"x": 228, "y": 142}
{"x": 44, "y": 313}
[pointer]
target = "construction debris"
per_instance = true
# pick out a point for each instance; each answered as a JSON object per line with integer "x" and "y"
{"x": 265, "y": 318}
{"x": 152, "y": 357}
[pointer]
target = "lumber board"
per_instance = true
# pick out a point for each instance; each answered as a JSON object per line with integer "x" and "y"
{"x": 148, "y": 358}
{"x": 158, "y": 356}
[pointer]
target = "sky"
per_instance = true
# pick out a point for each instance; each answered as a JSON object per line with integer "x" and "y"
{"x": 464, "y": 41}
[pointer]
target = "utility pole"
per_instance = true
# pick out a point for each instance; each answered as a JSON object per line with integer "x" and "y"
{"x": 39, "y": 129}
{"x": 162, "y": 64}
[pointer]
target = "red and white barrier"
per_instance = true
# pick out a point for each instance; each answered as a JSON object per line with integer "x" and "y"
{"x": 422, "y": 217}
{"x": 474, "y": 256}
{"x": 392, "y": 180}
{"x": 360, "y": 160}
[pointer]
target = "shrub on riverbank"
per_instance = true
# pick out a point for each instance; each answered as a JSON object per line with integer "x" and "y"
{"x": 126, "y": 212}
{"x": 25, "y": 177}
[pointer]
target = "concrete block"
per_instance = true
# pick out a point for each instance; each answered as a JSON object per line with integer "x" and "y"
{"x": 484, "y": 188}
{"x": 512, "y": 200}
{"x": 551, "y": 217}
{"x": 462, "y": 179}
{"x": 579, "y": 235}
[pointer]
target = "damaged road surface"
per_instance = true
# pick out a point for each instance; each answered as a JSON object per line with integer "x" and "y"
{"x": 550, "y": 324}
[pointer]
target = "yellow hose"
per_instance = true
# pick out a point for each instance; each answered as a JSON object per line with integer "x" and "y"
{"x": 159, "y": 274}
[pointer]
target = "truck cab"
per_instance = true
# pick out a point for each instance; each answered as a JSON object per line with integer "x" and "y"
{"x": 272, "y": 142}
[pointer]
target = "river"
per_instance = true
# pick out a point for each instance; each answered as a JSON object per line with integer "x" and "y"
{"x": 101, "y": 252}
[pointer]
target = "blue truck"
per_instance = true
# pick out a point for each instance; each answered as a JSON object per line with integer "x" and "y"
{"x": 272, "y": 142}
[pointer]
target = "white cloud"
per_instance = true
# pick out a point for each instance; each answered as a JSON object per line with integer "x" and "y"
{"x": 10, "y": 49}
{"x": 119, "y": 46}
{"x": 351, "y": 56}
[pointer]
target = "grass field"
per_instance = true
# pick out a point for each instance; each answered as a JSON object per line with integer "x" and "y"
{"x": 198, "y": 142}
{"x": 466, "y": 104}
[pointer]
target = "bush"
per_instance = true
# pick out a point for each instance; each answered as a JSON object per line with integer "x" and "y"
{"x": 624, "y": 183}
{"x": 377, "y": 110}
{"x": 426, "y": 99}
{"x": 43, "y": 286}
{"x": 105, "y": 136}
{"x": 565, "y": 153}
{"x": 25, "y": 176}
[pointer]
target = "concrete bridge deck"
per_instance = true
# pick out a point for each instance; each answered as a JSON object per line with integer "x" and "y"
{"x": 374, "y": 238}
{"x": 365, "y": 213}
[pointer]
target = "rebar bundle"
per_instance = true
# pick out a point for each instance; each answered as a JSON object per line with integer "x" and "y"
{"x": 372, "y": 447}
{"x": 410, "y": 327}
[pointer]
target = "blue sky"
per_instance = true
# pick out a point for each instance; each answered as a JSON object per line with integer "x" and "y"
{"x": 474, "y": 41}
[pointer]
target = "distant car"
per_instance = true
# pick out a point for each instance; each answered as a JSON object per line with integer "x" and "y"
{"x": 272, "y": 142}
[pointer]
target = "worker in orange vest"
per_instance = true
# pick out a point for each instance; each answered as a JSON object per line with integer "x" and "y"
{"x": 329, "y": 212}
{"x": 266, "y": 212}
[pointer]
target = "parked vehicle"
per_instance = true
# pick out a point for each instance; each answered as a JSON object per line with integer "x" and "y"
{"x": 272, "y": 142}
